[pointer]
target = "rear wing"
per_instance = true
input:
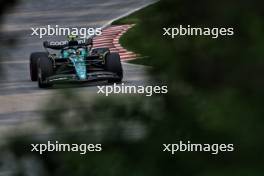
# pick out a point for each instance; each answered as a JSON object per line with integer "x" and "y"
{"x": 58, "y": 45}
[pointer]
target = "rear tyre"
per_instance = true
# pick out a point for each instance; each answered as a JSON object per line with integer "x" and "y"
{"x": 113, "y": 64}
{"x": 45, "y": 70}
{"x": 33, "y": 64}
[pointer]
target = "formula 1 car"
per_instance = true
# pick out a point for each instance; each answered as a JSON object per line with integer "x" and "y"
{"x": 76, "y": 61}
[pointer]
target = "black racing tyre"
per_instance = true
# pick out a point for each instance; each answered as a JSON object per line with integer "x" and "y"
{"x": 113, "y": 64}
{"x": 33, "y": 64}
{"x": 45, "y": 70}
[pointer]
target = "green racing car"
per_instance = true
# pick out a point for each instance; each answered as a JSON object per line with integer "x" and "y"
{"x": 75, "y": 61}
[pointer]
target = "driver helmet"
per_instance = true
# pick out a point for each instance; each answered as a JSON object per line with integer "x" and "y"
{"x": 72, "y": 37}
{"x": 72, "y": 40}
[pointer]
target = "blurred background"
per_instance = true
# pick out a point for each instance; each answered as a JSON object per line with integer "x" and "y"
{"x": 215, "y": 96}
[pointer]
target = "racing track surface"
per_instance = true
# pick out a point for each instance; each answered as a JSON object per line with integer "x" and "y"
{"x": 21, "y": 100}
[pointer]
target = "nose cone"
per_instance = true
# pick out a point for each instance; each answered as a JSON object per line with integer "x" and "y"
{"x": 80, "y": 68}
{"x": 82, "y": 76}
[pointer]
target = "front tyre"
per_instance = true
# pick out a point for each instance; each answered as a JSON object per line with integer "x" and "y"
{"x": 113, "y": 64}
{"x": 33, "y": 64}
{"x": 45, "y": 70}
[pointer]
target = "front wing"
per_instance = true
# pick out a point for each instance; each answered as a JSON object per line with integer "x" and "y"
{"x": 94, "y": 76}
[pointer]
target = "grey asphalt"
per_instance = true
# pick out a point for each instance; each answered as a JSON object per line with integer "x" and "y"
{"x": 21, "y": 101}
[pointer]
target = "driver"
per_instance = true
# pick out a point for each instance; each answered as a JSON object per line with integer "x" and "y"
{"x": 73, "y": 40}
